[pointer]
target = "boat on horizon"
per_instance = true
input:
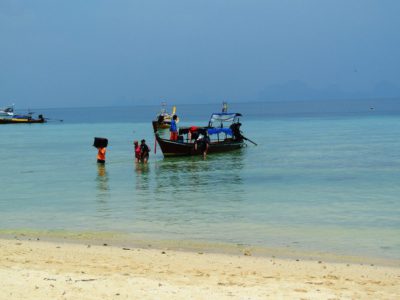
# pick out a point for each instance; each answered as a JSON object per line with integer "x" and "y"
{"x": 7, "y": 116}
{"x": 7, "y": 112}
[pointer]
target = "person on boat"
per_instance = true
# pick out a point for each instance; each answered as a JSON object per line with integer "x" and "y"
{"x": 237, "y": 135}
{"x": 144, "y": 152}
{"x": 173, "y": 129}
{"x": 160, "y": 119}
{"x": 137, "y": 151}
{"x": 202, "y": 143}
{"x": 193, "y": 133}
{"x": 101, "y": 155}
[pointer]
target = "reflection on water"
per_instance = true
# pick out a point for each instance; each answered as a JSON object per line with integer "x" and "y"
{"x": 187, "y": 197}
{"x": 102, "y": 179}
{"x": 142, "y": 177}
{"x": 196, "y": 175}
{"x": 171, "y": 194}
{"x": 103, "y": 191}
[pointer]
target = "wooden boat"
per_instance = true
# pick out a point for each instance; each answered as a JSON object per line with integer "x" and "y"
{"x": 177, "y": 148}
{"x": 7, "y": 116}
{"x": 22, "y": 120}
{"x": 163, "y": 118}
{"x": 221, "y": 139}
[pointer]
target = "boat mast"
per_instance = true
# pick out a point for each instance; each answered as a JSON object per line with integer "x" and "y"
{"x": 224, "y": 107}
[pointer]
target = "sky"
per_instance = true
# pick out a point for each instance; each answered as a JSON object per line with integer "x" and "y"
{"x": 73, "y": 53}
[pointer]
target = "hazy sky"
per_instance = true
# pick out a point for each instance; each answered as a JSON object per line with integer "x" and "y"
{"x": 57, "y": 53}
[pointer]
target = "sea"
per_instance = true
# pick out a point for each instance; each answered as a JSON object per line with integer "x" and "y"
{"x": 324, "y": 178}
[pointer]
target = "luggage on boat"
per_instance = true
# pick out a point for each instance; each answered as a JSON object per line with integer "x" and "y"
{"x": 100, "y": 142}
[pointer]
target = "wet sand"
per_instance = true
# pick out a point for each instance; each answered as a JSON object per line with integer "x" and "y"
{"x": 59, "y": 270}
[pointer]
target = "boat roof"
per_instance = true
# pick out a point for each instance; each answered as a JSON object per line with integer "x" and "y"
{"x": 227, "y": 131}
{"x": 223, "y": 117}
{"x": 7, "y": 109}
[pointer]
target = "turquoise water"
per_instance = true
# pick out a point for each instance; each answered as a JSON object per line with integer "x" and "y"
{"x": 320, "y": 183}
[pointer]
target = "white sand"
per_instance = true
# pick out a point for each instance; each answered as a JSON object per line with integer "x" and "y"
{"x": 50, "y": 270}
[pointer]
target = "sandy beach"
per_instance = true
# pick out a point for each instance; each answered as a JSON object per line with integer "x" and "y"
{"x": 58, "y": 270}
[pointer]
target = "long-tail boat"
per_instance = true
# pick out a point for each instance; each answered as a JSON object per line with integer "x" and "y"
{"x": 22, "y": 120}
{"x": 7, "y": 116}
{"x": 163, "y": 118}
{"x": 223, "y": 132}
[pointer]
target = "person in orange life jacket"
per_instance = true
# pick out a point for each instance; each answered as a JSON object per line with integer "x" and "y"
{"x": 101, "y": 155}
{"x": 173, "y": 129}
{"x": 137, "y": 151}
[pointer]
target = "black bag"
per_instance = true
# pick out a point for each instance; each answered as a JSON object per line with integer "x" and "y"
{"x": 100, "y": 142}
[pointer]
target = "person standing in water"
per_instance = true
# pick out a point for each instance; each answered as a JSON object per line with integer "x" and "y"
{"x": 173, "y": 129}
{"x": 137, "y": 151}
{"x": 202, "y": 143}
{"x": 144, "y": 152}
{"x": 101, "y": 155}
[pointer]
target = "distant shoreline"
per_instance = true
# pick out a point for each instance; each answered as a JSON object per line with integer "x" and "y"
{"x": 219, "y": 103}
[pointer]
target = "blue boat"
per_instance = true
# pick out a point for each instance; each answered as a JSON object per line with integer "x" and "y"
{"x": 7, "y": 116}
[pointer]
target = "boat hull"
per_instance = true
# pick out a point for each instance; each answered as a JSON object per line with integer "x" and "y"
{"x": 21, "y": 121}
{"x": 162, "y": 125}
{"x": 175, "y": 148}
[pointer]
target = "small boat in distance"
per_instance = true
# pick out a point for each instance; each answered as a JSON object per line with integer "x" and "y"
{"x": 7, "y": 116}
{"x": 8, "y": 111}
{"x": 163, "y": 118}
{"x": 223, "y": 131}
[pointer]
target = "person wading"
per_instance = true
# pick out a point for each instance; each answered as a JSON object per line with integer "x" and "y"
{"x": 144, "y": 152}
{"x": 202, "y": 143}
{"x": 101, "y": 155}
{"x": 137, "y": 151}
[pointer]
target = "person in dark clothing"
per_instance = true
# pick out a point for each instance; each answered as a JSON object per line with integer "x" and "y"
{"x": 202, "y": 143}
{"x": 160, "y": 119}
{"x": 144, "y": 152}
{"x": 237, "y": 135}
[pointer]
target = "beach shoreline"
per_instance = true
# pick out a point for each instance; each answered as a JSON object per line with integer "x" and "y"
{"x": 121, "y": 240}
{"x": 38, "y": 269}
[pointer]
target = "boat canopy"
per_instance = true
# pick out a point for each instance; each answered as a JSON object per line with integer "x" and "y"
{"x": 221, "y": 118}
{"x": 224, "y": 117}
{"x": 227, "y": 131}
{"x": 7, "y": 111}
{"x": 204, "y": 130}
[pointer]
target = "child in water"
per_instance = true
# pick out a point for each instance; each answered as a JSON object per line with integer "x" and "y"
{"x": 137, "y": 151}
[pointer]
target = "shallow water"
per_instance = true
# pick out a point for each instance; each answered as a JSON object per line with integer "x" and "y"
{"x": 320, "y": 183}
